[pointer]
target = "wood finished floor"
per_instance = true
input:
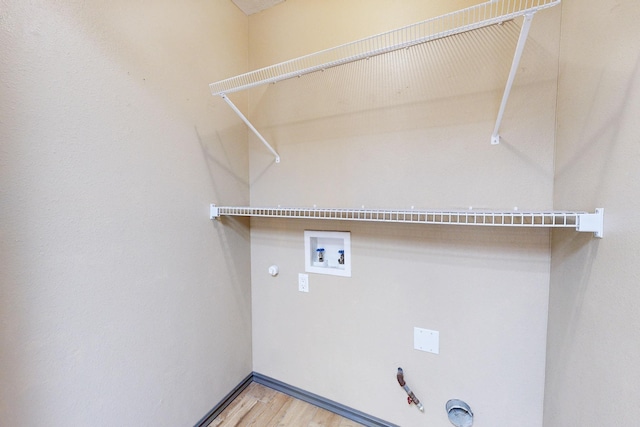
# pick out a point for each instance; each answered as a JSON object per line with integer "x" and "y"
{"x": 260, "y": 406}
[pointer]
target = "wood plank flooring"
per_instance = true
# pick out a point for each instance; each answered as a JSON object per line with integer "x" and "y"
{"x": 260, "y": 406}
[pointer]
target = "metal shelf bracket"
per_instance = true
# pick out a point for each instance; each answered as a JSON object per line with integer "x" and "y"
{"x": 522, "y": 40}
{"x": 250, "y": 126}
{"x": 214, "y": 213}
{"x": 592, "y": 222}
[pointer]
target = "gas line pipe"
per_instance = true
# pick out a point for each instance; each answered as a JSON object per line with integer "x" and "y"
{"x": 412, "y": 397}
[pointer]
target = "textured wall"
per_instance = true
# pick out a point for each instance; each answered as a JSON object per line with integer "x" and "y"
{"x": 408, "y": 129}
{"x": 121, "y": 303}
{"x": 594, "y": 322}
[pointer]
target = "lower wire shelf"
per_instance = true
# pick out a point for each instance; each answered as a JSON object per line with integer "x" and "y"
{"x": 581, "y": 221}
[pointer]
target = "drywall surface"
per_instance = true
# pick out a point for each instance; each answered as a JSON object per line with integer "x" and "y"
{"x": 485, "y": 291}
{"x": 407, "y": 129}
{"x": 333, "y": 22}
{"x": 594, "y": 322}
{"x": 121, "y": 303}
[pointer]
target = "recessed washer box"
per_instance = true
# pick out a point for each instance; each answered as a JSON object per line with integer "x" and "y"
{"x": 327, "y": 252}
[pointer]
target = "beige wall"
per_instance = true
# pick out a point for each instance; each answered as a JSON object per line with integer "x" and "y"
{"x": 593, "y": 374}
{"x": 274, "y": 33}
{"x": 121, "y": 303}
{"x": 399, "y": 131}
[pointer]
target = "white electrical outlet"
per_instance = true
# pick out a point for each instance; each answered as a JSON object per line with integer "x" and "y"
{"x": 303, "y": 282}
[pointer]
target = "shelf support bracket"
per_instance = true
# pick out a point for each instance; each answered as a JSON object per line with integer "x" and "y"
{"x": 522, "y": 40}
{"x": 214, "y": 212}
{"x": 248, "y": 123}
{"x": 592, "y": 222}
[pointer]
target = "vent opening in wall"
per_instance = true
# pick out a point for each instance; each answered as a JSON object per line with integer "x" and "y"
{"x": 328, "y": 252}
{"x": 459, "y": 413}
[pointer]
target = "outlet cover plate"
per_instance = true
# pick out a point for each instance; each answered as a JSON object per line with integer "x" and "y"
{"x": 303, "y": 282}
{"x": 426, "y": 340}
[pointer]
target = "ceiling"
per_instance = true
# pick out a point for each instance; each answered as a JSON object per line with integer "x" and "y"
{"x": 249, "y": 7}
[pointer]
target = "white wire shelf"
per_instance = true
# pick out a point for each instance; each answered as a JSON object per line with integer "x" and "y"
{"x": 581, "y": 221}
{"x": 482, "y": 15}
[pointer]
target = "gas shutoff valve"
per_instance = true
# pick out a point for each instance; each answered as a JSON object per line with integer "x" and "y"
{"x": 411, "y": 397}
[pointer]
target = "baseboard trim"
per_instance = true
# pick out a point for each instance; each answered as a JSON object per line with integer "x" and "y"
{"x": 213, "y": 413}
{"x": 314, "y": 399}
{"x": 305, "y": 396}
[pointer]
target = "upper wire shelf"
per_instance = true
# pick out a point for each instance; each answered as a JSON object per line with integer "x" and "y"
{"x": 581, "y": 221}
{"x": 482, "y": 15}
